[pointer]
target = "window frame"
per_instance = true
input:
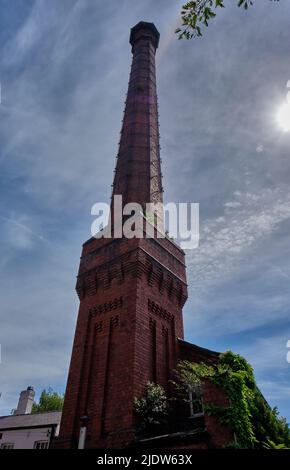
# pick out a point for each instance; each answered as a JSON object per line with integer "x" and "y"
{"x": 37, "y": 443}
{"x": 195, "y": 395}
{"x": 7, "y": 445}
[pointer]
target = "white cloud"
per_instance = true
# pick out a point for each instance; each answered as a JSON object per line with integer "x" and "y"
{"x": 17, "y": 233}
{"x": 226, "y": 241}
{"x": 260, "y": 148}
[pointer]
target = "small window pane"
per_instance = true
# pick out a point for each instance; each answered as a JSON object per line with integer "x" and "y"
{"x": 195, "y": 401}
{"x": 7, "y": 445}
{"x": 41, "y": 445}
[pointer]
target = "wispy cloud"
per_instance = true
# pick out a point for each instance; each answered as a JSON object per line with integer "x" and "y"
{"x": 18, "y": 234}
{"x": 227, "y": 240}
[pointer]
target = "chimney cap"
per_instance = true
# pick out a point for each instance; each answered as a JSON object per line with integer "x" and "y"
{"x": 144, "y": 29}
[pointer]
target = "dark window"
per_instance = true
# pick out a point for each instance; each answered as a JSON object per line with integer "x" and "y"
{"x": 7, "y": 445}
{"x": 41, "y": 445}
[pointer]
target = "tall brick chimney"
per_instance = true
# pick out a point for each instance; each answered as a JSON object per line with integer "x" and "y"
{"x": 138, "y": 172}
{"x": 131, "y": 291}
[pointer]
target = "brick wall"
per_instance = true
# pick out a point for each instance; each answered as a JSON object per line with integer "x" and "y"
{"x": 130, "y": 314}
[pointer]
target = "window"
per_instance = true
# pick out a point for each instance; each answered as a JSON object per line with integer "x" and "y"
{"x": 7, "y": 445}
{"x": 195, "y": 400}
{"x": 41, "y": 445}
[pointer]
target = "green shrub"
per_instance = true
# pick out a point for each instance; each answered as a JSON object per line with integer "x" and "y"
{"x": 152, "y": 409}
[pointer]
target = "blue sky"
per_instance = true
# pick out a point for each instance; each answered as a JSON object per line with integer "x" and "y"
{"x": 64, "y": 68}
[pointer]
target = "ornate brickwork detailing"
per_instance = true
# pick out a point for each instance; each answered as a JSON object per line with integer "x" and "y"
{"x": 80, "y": 288}
{"x": 170, "y": 286}
{"x": 161, "y": 282}
{"x": 153, "y": 307}
{"x": 152, "y": 323}
{"x": 93, "y": 279}
{"x": 99, "y": 249}
{"x": 106, "y": 307}
{"x": 114, "y": 321}
{"x": 150, "y": 274}
{"x": 153, "y": 350}
{"x": 164, "y": 331}
{"x": 99, "y": 327}
{"x": 165, "y": 280}
{"x": 136, "y": 263}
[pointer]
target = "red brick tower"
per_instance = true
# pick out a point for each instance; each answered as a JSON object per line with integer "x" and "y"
{"x": 131, "y": 290}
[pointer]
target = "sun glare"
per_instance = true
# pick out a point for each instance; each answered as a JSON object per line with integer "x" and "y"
{"x": 283, "y": 117}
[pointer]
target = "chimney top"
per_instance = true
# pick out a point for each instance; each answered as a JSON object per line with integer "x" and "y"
{"x": 144, "y": 29}
{"x": 25, "y": 402}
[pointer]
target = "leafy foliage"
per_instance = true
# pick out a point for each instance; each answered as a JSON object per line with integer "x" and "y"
{"x": 152, "y": 409}
{"x": 248, "y": 414}
{"x": 49, "y": 401}
{"x": 197, "y": 14}
{"x": 271, "y": 445}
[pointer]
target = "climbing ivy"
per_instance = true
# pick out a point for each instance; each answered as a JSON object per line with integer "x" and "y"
{"x": 253, "y": 421}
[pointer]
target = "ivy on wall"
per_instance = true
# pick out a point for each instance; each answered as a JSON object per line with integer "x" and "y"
{"x": 254, "y": 422}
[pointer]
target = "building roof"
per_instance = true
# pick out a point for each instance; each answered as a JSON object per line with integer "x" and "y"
{"x": 50, "y": 418}
{"x": 192, "y": 352}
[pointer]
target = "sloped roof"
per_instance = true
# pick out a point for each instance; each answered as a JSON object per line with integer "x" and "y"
{"x": 192, "y": 352}
{"x": 30, "y": 420}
